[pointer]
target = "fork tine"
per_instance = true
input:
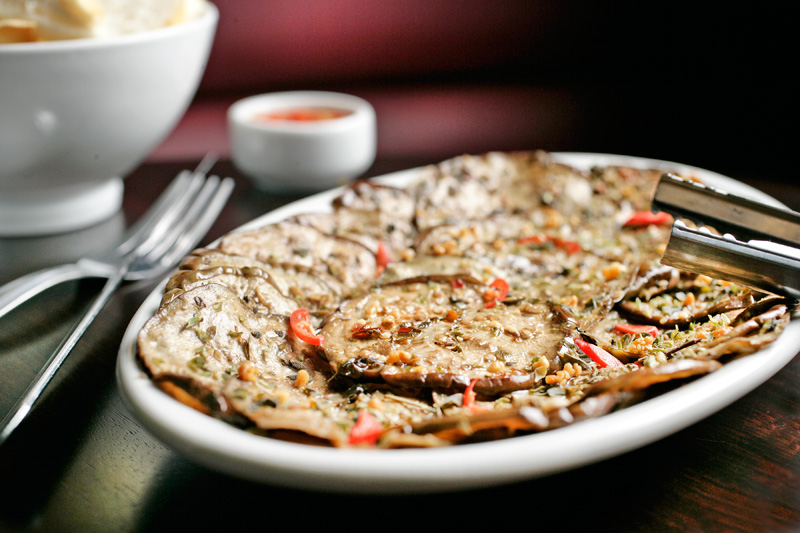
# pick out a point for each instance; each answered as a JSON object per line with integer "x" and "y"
{"x": 207, "y": 216}
{"x": 159, "y": 229}
{"x": 141, "y": 227}
{"x": 186, "y": 231}
{"x": 179, "y": 188}
{"x": 188, "y": 210}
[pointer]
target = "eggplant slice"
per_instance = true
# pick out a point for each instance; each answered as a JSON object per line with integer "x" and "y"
{"x": 439, "y": 333}
{"x": 293, "y": 245}
{"x": 204, "y": 335}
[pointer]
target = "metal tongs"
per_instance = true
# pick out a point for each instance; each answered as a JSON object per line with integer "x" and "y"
{"x": 739, "y": 240}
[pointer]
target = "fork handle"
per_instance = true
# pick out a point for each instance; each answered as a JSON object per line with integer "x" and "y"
{"x": 22, "y": 289}
{"x": 25, "y": 403}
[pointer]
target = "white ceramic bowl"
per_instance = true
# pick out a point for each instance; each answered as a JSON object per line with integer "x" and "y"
{"x": 76, "y": 116}
{"x": 302, "y": 156}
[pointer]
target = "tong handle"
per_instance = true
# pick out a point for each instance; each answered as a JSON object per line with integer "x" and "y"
{"x": 729, "y": 259}
{"x": 727, "y": 213}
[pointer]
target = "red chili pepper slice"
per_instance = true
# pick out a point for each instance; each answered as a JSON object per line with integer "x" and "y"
{"x": 300, "y": 322}
{"x": 469, "y": 395}
{"x": 597, "y": 354}
{"x": 633, "y": 329}
{"x": 501, "y": 285}
{"x": 533, "y": 239}
{"x": 382, "y": 257}
{"x": 456, "y": 283}
{"x": 366, "y": 430}
{"x": 571, "y": 247}
{"x": 646, "y": 218}
{"x": 360, "y": 331}
{"x": 497, "y": 292}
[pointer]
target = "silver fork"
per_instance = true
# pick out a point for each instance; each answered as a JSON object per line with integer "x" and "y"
{"x": 103, "y": 264}
{"x": 171, "y": 228}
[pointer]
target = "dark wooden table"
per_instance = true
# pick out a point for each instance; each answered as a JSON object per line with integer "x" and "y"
{"x": 81, "y": 462}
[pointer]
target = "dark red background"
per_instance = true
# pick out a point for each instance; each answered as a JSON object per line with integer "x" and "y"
{"x": 709, "y": 88}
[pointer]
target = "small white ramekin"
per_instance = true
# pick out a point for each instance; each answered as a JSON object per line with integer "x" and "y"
{"x": 289, "y": 156}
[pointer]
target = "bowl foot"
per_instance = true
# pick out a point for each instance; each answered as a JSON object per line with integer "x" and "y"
{"x": 51, "y": 211}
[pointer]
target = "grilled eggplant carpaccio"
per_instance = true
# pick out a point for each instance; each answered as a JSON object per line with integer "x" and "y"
{"x": 495, "y": 295}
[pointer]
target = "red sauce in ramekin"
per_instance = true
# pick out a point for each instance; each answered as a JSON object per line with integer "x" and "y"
{"x": 303, "y": 114}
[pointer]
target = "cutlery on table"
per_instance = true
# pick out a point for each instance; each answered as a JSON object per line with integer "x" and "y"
{"x": 103, "y": 264}
{"x": 169, "y": 230}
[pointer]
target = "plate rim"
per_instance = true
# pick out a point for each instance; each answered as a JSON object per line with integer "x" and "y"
{"x": 224, "y": 448}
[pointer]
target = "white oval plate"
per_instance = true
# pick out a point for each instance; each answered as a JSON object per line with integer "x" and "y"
{"x": 227, "y": 449}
